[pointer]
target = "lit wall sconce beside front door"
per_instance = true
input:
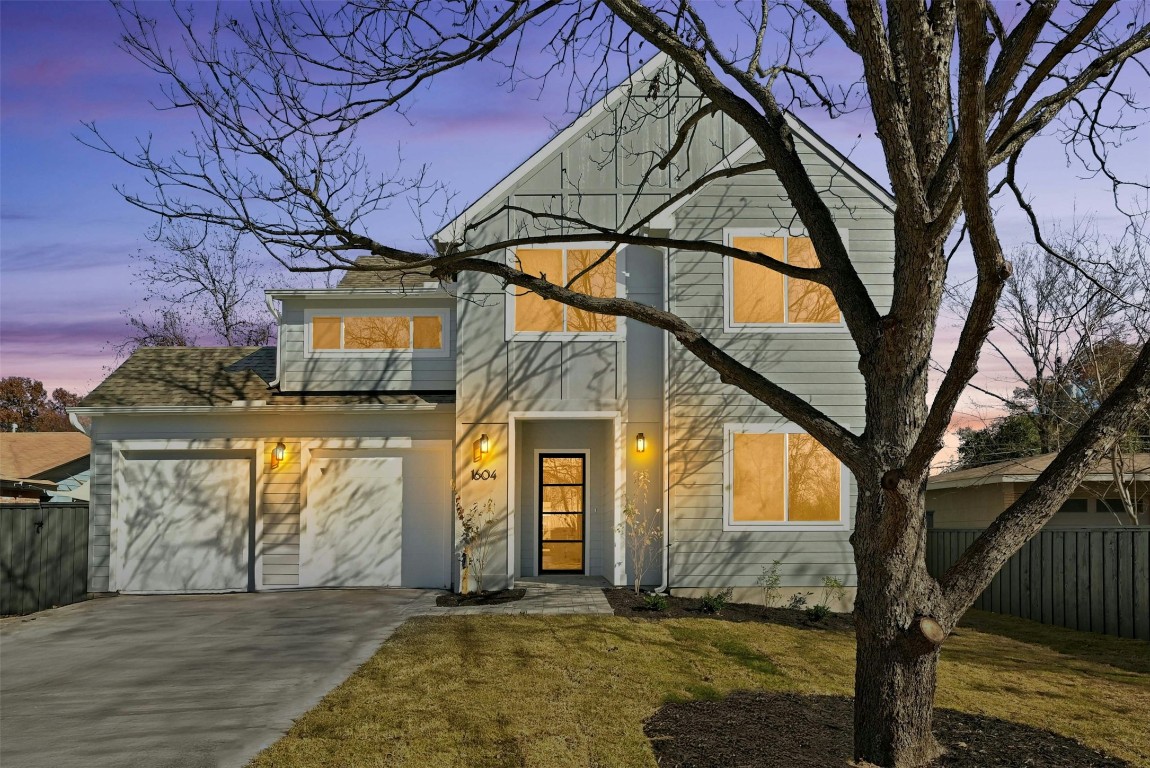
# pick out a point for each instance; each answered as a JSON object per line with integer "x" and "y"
{"x": 481, "y": 448}
{"x": 278, "y": 454}
{"x": 640, "y": 442}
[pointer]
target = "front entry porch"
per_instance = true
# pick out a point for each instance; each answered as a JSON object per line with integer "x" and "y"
{"x": 565, "y": 498}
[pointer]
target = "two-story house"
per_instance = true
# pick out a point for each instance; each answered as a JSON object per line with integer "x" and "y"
{"x": 333, "y": 458}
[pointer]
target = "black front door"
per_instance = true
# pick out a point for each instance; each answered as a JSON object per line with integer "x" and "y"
{"x": 562, "y": 512}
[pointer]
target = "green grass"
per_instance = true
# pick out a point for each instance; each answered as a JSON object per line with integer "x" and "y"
{"x": 560, "y": 691}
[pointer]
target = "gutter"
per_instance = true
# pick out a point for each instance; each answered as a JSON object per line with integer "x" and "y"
{"x": 270, "y": 301}
{"x": 74, "y": 420}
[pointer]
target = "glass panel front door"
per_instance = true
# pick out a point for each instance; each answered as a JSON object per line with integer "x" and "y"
{"x": 562, "y": 512}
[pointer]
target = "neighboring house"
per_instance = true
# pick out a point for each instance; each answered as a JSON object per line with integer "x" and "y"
{"x": 972, "y": 498}
{"x": 43, "y": 467}
{"x": 331, "y": 459}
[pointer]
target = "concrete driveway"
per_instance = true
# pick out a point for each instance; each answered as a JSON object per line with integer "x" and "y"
{"x": 180, "y": 681}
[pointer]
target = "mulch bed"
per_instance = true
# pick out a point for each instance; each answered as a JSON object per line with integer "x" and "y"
{"x": 786, "y": 730}
{"x": 626, "y": 603}
{"x": 480, "y": 598}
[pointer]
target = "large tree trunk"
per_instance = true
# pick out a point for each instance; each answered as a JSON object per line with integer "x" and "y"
{"x": 897, "y": 640}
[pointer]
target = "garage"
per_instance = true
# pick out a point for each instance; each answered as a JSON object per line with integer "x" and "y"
{"x": 376, "y": 518}
{"x": 183, "y": 521}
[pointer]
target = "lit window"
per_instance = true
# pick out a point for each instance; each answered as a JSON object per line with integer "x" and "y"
{"x": 783, "y": 478}
{"x": 759, "y": 295}
{"x": 587, "y": 272}
{"x": 388, "y": 333}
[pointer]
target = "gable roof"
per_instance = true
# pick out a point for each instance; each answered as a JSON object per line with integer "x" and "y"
{"x": 1028, "y": 469}
{"x": 369, "y": 275}
{"x": 183, "y": 377}
{"x": 449, "y": 232}
{"x": 26, "y": 455}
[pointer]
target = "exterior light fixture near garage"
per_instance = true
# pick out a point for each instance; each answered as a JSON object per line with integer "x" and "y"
{"x": 640, "y": 442}
{"x": 481, "y": 447}
{"x": 278, "y": 454}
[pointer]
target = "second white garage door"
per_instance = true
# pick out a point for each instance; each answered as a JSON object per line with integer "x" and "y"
{"x": 377, "y": 518}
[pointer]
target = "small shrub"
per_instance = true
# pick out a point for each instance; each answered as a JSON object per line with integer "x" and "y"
{"x": 833, "y": 591}
{"x": 798, "y": 601}
{"x": 768, "y": 582}
{"x": 716, "y": 602}
{"x": 655, "y": 601}
{"x": 818, "y": 612}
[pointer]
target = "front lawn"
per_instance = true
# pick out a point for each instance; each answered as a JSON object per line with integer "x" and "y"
{"x": 556, "y": 691}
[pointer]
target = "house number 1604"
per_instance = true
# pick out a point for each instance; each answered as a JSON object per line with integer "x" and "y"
{"x": 487, "y": 474}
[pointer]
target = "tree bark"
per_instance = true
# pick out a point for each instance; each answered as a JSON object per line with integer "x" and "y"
{"x": 897, "y": 636}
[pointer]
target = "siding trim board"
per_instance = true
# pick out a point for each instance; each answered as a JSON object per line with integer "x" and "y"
{"x": 769, "y": 428}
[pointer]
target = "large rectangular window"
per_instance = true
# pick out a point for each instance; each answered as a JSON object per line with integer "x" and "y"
{"x": 384, "y": 332}
{"x": 759, "y": 297}
{"x": 585, "y": 269}
{"x": 779, "y": 478}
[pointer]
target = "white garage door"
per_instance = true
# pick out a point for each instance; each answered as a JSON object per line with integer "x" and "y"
{"x": 182, "y": 522}
{"x": 377, "y": 519}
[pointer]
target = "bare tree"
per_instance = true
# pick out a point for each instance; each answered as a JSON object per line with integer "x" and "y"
{"x": 200, "y": 282}
{"x": 1069, "y": 326}
{"x": 957, "y": 92}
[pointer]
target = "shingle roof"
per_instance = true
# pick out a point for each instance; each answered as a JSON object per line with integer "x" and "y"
{"x": 370, "y": 275}
{"x": 213, "y": 376}
{"x": 24, "y": 455}
{"x": 1031, "y": 466}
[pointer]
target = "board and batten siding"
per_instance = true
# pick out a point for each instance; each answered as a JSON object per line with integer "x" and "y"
{"x": 820, "y": 366}
{"x": 600, "y": 174}
{"x": 279, "y": 488}
{"x": 375, "y": 371}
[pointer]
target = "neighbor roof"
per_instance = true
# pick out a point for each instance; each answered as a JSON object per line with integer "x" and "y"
{"x": 372, "y": 275}
{"x": 159, "y": 377}
{"x": 25, "y": 455}
{"x": 1027, "y": 469}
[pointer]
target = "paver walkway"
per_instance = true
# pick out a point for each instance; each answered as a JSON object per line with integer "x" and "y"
{"x": 545, "y": 596}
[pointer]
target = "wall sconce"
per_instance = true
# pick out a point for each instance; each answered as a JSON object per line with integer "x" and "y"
{"x": 640, "y": 442}
{"x": 278, "y": 454}
{"x": 481, "y": 447}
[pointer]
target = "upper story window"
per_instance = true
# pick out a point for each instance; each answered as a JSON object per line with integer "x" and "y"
{"x": 757, "y": 297}
{"x": 530, "y": 314}
{"x": 777, "y": 477}
{"x": 373, "y": 331}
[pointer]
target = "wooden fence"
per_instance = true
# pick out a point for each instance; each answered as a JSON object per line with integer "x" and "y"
{"x": 1095, "y": 580}
{"x": 43, "y": 556}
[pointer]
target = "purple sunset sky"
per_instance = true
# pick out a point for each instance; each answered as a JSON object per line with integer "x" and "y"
{"x": 66, "y": 235}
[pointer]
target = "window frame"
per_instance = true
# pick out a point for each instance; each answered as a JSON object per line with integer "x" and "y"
{"x": 771, "y": 428}
{"x": 729, "y": 324}
{"x": 511, "y": 334}
{"x": 442, "y": 313}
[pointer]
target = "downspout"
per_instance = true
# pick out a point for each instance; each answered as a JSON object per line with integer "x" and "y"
{"x": 663, "y": 586}
{"x": 74, "y": 419}
{"x": 270, "y": 302}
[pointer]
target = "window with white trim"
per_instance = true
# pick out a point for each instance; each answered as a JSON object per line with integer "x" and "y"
{"x": 374, "y": 331}
{"x": 775, "y": 478}
{"x": 531, "y": 314}
{"x": 756, "y": 296}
